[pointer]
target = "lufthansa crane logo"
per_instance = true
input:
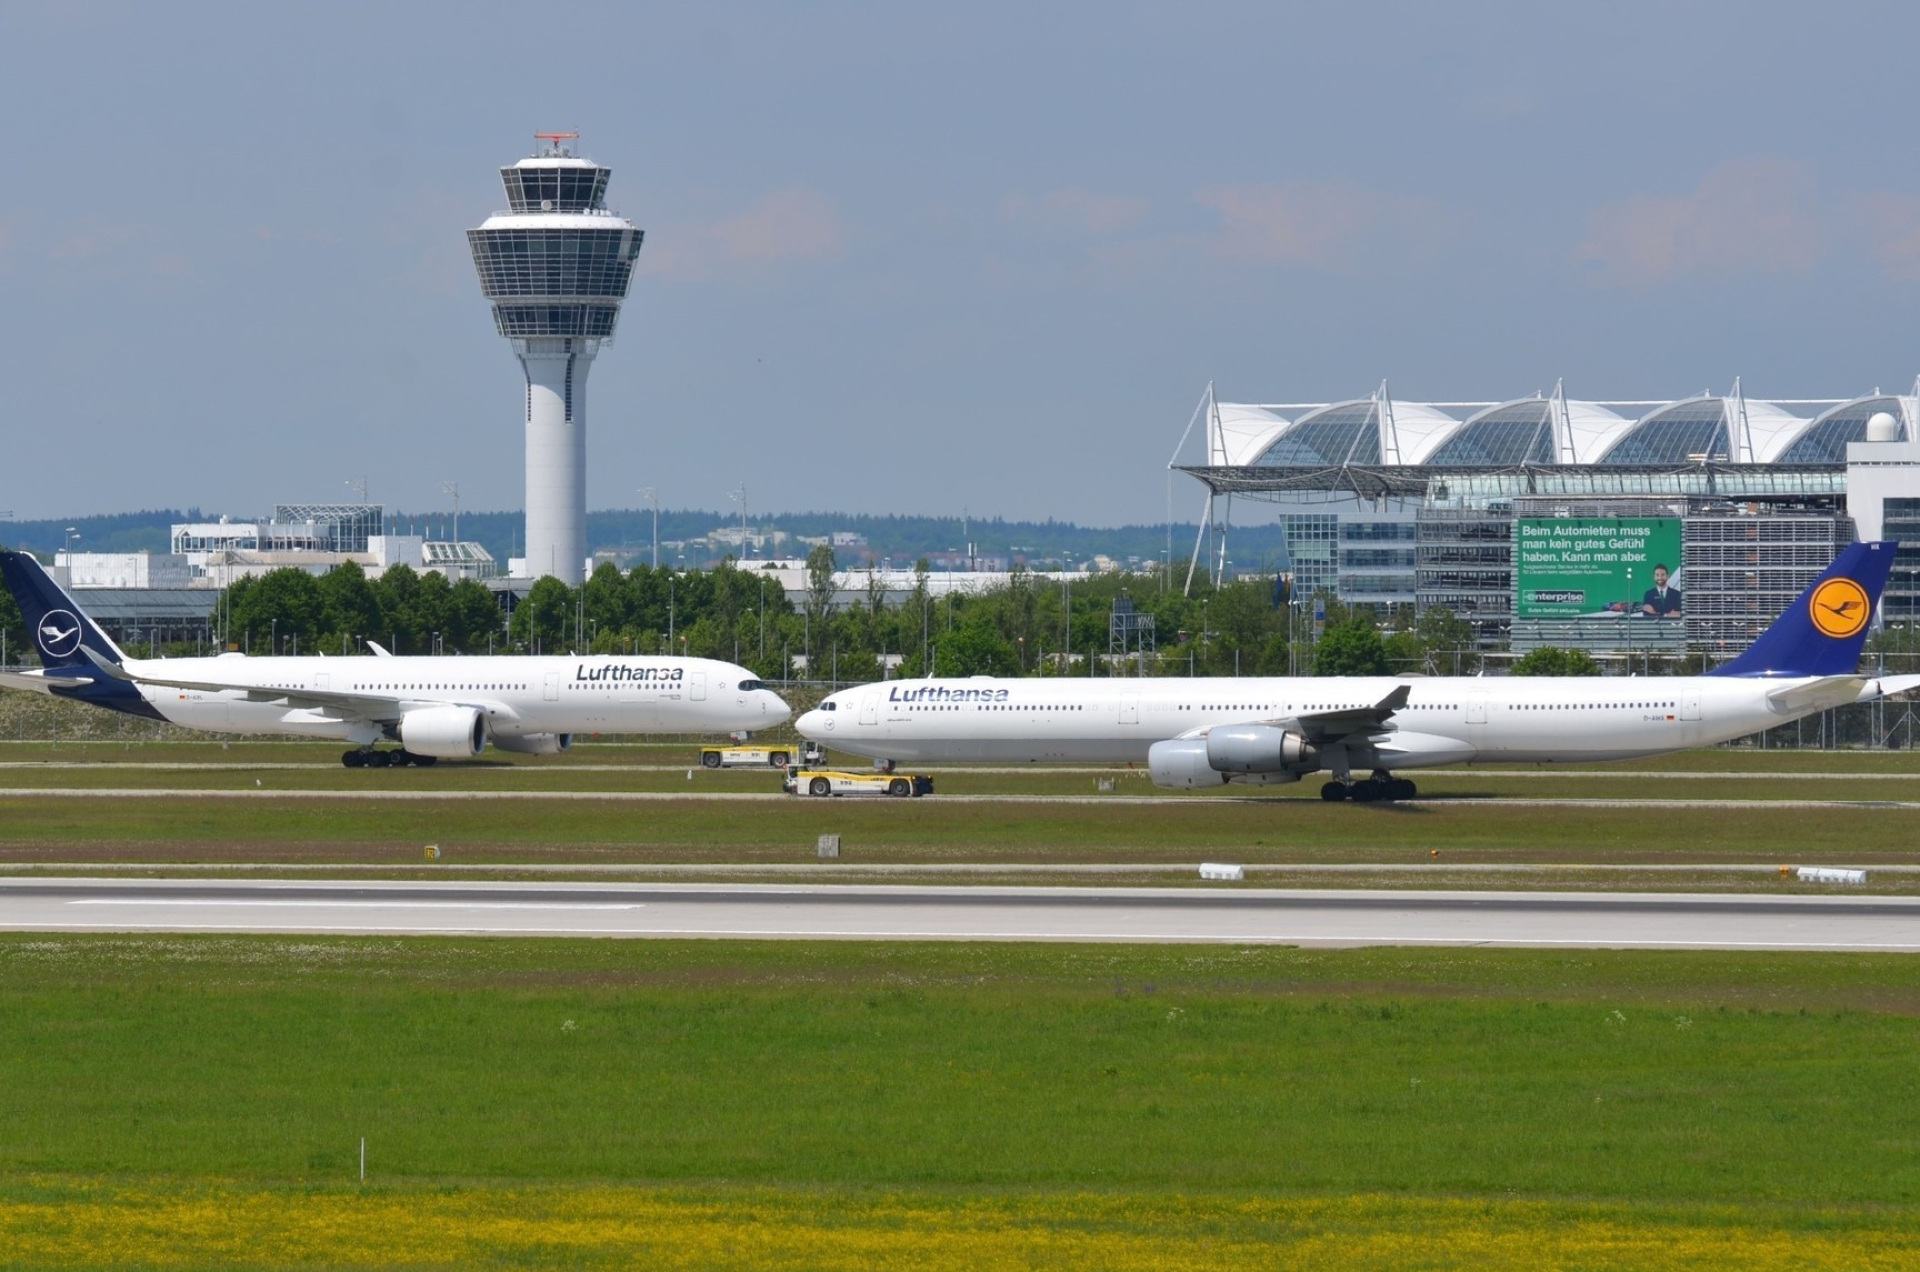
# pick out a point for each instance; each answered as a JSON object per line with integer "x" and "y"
{"x": 58, "y": 634}
{"x": 1840, "y": 608}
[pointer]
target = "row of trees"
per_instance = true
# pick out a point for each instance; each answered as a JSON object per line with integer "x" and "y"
{"x": 1033, "y": 624}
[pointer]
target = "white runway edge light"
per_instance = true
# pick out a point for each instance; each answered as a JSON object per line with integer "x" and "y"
{"x": 1828, "y": 874}
{"x": 1220, "y": 870}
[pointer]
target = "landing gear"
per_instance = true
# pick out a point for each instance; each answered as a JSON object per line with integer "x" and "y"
{"x": 367, "y": 757}
{"x": 1382, "y": 787}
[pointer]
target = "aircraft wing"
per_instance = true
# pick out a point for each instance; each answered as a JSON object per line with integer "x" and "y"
{"x": 364, "y": 706}
{"x": 1320, "y": 727}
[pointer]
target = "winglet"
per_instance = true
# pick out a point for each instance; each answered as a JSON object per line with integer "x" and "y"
{"x": 380, "y": 651}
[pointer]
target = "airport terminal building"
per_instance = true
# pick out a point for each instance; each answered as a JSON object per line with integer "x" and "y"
{"x": 1667, "y": 526}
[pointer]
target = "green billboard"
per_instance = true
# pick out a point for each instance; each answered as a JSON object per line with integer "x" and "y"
{"x": 1565, "y": 567}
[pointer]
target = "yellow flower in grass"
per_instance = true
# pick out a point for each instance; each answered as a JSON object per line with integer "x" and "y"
{"x": 164, "y": 1225}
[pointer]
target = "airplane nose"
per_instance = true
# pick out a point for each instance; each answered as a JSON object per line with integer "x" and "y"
{"x": 775, "y": 706}
{"x": 808, "y": 723}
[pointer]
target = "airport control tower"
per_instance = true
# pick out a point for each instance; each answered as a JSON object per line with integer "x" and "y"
{"x": 556, "y": 266}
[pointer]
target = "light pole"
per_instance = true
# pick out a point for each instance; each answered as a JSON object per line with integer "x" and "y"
{"x": 1633, "y": 612}
{"x": 653, "y": 501}
{"x": 453, "y": 488}
{"x": 276, "y": 637}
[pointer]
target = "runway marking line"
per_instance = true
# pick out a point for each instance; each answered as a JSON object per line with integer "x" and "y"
{"x": 1195, "y": 938}
{"x": 364, "y": 905}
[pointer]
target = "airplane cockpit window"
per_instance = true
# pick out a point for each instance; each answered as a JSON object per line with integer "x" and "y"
{"x": 829, "y": 706}
{"x": 752, "y": 684}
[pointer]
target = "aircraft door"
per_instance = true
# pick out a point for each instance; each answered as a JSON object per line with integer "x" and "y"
{"x": 1476, "y": 708}
{"x": 1689, "y": 704}
{"x": 697, "y": 686}
{"x": 553, "y": 687}
{"x": 870, "y": 707}
{"x": 1129, "y": 708}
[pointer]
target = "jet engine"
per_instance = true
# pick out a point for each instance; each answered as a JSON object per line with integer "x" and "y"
{"x": 1181, "y": 765}
{"x": 1259, "y": 748}
{"x": 533, "y": 743}
{"x": 448, "y": 733}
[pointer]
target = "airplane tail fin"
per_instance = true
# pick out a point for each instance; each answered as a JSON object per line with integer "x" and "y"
{"x": 1821, "y": 633}
{"x": 58, "y": 626}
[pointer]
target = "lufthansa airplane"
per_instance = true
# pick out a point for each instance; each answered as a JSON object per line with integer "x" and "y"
{"x": 1203, "y": 732}
{"x": 434, "y": 707}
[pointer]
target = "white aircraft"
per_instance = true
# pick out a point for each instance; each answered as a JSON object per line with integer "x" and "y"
{"x": 1203, "y": 732}
{"x": 434, "y": 707}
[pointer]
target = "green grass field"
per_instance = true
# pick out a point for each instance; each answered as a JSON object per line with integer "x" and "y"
{"x": 1760, "y": 1110}
{"x": 613, "y": 805}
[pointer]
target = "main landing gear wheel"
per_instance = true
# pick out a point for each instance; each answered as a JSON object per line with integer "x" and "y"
{"x": 900, "y": 787}
{"x": 379, "y": 759}
{"x": 819, "y": 786}
{"x": 1373, "y": 790}
{"x": 354, "y": 759}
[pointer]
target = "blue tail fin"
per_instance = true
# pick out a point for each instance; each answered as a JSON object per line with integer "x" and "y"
{"x": 57, "y": 625}
{"x": 1821, "y": 633}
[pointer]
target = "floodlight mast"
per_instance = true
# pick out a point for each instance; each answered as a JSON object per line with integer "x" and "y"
{"x": 556, "y": 266}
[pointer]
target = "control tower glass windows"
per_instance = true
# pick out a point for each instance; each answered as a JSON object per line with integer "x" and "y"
{"x": 526, "y": 321}
{"x": 557, "y": 189}
{"x": 554, "y": 263}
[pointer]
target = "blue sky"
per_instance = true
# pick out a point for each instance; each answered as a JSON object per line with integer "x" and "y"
{"x": 919, "y": 259}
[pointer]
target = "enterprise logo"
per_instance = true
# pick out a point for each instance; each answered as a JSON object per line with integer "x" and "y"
{"x": 621, "y": 672}
{"x": 940, "y": 693}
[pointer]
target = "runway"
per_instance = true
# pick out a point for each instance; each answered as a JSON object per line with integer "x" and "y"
{"x": 774, "y": 911}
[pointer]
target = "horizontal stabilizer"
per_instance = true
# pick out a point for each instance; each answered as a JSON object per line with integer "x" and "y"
{"x": 41, "y": 682}
{"x": 1891, "y": 687}
{"x": 1816, "y": 695}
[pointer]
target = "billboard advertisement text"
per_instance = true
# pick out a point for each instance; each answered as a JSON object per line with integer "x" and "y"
{"x": 1565, "y": 567}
